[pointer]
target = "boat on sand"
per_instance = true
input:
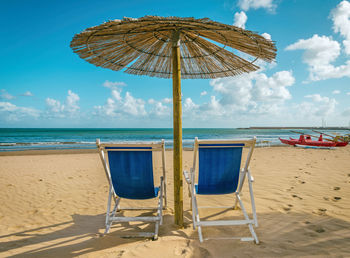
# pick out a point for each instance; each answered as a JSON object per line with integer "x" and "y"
{"x": 306, "y": 140}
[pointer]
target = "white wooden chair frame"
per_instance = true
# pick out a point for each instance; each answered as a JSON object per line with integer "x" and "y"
{"x": 111, "y": 215}
{"x": 244, "y": 173}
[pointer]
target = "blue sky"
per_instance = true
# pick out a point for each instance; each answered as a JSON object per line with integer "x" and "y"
{"x": 44, "y": 84}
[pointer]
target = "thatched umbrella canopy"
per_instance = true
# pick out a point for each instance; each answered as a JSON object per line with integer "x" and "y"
{"x": 173, "y": 47}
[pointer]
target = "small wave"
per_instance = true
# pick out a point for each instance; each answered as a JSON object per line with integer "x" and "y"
{"x": 7, "y": 144}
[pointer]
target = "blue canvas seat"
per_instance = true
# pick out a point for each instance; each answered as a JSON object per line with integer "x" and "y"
{"x": 129, "y": 170}
{"x": 220, "y": 172}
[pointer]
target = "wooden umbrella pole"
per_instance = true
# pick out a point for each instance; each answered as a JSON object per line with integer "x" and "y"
{"x": 177, "y": 125}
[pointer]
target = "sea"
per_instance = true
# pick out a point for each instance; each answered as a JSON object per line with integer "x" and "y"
{"x": 18, "y": 139}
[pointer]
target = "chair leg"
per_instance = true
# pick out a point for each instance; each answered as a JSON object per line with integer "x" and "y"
{"x": 160, "y": 210}
{"x": 251, "y": 229}
{"x": 160, "y": 202}
{"x": 108, "y": 208}
{"x": 250, "y": 184}
{"x": 200, "y": 234}
{"x": 196, "y": 219}
{"x": 239, "y": 187}
{"x": 155, "y": 237}
{"x": 235, "y": 205}
{"x": 194, "y": 207}
{"x": 190, "y": 195}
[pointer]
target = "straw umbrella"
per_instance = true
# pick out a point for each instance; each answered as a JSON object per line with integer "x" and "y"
{"x": 173, "y": 47}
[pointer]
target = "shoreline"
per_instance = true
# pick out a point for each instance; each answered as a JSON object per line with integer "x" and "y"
{"x": 89, "y": 151}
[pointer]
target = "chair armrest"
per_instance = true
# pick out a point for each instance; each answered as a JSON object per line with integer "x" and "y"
{"x": 187, "y": 177}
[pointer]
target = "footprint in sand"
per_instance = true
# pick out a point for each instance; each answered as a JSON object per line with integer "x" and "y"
{"x": 120, "y": 253}
{"x": 302, "y": 182}
{"x": 320, "y": 211}
{"x": 181, "y": 250}
{"x": 325, "y": 198}
{"x": 288, "y": 208}
{"x": 204, "y": 252}
{"x": 320, "y": 230}
{"x": 296, "y": 196}
{"x": 336, "y": 188}
{"x": 336, "y": 198}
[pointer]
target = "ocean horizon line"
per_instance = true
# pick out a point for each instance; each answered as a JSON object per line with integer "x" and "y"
{"x": 170, "y": 128}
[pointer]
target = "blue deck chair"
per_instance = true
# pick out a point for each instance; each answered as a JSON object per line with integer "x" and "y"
{"x": 129, "y": 170}
{"x": 220, "y": 172}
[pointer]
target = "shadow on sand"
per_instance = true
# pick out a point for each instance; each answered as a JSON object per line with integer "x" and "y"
{"x": 79, "y": 236}
{"x": 281, "y": 234}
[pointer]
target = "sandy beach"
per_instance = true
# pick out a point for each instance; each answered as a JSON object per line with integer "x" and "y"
{"x": 54, "y": 205}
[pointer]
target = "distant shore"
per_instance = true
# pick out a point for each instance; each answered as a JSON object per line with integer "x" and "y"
{"x": 297, "y": 127}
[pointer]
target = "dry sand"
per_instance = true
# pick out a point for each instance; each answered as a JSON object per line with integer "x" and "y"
{"x": 54, "y": 206}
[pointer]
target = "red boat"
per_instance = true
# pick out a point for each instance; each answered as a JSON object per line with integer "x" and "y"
{"x": 306, "y": 140}
{"x": 337, "y": 143}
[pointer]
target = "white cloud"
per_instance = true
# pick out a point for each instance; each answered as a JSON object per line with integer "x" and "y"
{"x": 5, "y": 95}
{"x": 113, "y": 85}
{"x": 320, "y": 106}
{"x": 121, "y": 106}
{"x": 348, "y": 93}
{"x": 27, "y": 94}
{"x": 320, "y": 52}
{"x": 158, "y": 109}
{"x": 167, "y": 101}
{"x": 56, "y": 109}
{"x": 203, "y": 93}
{"x": 336, "y": 92}
{"x": 266, "y": 35}
{"x": 212, "y": 109}
{"x": 133, "y": 106}
{"x": 341, "y": 22}
{"x": 242, "y": 97}
{"x": 256, "y": 4}
{"x": 252, "y": 93}
{"x": 240, "y": 19}
{"x": 54, "y": 105}
{"x": 71, "y": 102}
{"x": 272, "y": 89}
{"x": 189, "y": 106}
{"x": 11, "y": 112}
